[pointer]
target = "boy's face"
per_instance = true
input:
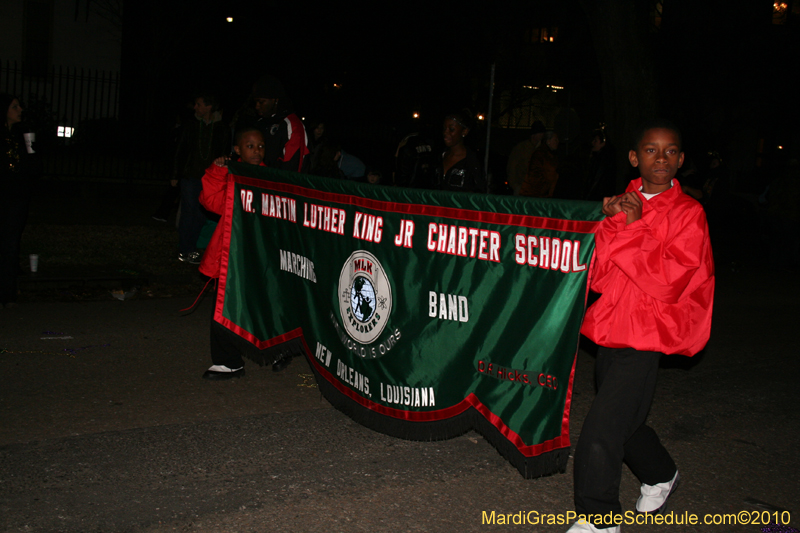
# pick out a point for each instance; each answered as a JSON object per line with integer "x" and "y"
{"x": 250, "y": 147}
{"x": 658, "y": 158}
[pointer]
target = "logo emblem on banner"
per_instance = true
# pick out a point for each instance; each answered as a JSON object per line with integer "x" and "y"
{"x": 366, "y": 297}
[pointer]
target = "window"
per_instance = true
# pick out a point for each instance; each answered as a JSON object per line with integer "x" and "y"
{"x": 541, "y": 35}
{"x": 64, "y": 131}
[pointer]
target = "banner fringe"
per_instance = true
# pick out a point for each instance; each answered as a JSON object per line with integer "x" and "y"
{"x": 269, "y": 355}
{"x": 541, "y": 465}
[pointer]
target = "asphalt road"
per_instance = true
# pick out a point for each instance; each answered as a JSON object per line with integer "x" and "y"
{"x": 112, "y": 430}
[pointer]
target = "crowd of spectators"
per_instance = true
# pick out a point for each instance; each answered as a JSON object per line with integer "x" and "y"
{"x": 443, "y": 156}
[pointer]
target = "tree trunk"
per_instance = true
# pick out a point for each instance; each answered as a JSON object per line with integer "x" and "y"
{"x": 620, "y": 30}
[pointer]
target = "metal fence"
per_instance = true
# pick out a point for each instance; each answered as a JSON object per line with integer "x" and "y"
{"x": 75, "y": 115}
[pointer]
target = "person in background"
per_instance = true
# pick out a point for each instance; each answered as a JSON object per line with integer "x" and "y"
{"x": 520, "y": 157}
{"x": 601, "y": 176}
{"x": 329, "y": 160}
{"x": 416, "y": 160}
{"x": 324, "y": 161}
{"x": 17, "y": 174}
{"x": 352, "y": 167}
{"x": 285, "y": 140}
{"x": 315, "y": 130}
{"x": 460, "y": 169}
{"x": 202, "y": 141}
{"x": 171, "y": 196}
{"x": 542, "y": 170}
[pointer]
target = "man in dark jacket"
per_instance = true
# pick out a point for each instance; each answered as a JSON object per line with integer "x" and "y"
{"x": 286, "y": 144}
{"x": 203, "y": 140}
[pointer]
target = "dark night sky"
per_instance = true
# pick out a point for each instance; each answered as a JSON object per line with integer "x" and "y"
{"x": 425, "y": 51}
{"x": 433, "y": 57}
{"x": 390, "y": 59}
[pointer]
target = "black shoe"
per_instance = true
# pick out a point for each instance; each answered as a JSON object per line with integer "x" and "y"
{"x": 192, "y": 258}
{"x": 222, "y": 372}
{"x": 282, "y": 361}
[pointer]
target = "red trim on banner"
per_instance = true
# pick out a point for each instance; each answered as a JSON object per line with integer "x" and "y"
{"x": 226, "y": 219}
{"x": 471, "y": 400}
{"x": 262, "y": 345}
{"x": 507, "y": 219}
{"x": 513, "y": 437}
{"x": 568, "y": 403}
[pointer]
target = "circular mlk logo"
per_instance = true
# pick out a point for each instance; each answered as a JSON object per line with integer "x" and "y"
{"x": 365, "y": 301}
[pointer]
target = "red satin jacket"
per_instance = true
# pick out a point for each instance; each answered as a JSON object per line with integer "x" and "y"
{"x": 655, "y": 277}
{"x": 215, "y": 184}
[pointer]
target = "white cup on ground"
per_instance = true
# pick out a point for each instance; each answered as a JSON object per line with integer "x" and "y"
{"x": 34, "y": 262}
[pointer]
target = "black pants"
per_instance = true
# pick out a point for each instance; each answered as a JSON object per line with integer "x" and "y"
{"x": 615, "y": 432}
{"x": 226, "y": 346}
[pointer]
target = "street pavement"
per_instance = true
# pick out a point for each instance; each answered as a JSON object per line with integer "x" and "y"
{"x": 106, "y": 426}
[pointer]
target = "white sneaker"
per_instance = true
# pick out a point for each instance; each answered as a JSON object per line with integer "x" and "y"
{"x": 654, "y": 497}
{"x": 223, "y": 368}
{"x": 222, "y": 372}
{"x": 588, "y": 527}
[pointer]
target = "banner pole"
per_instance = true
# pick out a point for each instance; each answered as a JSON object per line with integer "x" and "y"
{"x": 488, "y": 132}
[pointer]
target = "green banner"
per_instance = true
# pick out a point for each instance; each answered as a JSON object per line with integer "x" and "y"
{"x": 423, "y": 313}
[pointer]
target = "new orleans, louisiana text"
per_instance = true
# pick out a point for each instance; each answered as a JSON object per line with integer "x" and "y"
{"x": 534, "y": 518}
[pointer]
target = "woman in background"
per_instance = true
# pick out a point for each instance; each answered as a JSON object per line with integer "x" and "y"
{"x": 16, "y": 184}
{"x": 460, "y": 169}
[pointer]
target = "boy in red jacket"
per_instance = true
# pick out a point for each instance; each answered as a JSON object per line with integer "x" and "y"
{"x": 655, "y": 274}
{"x": 226, "y": 347}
